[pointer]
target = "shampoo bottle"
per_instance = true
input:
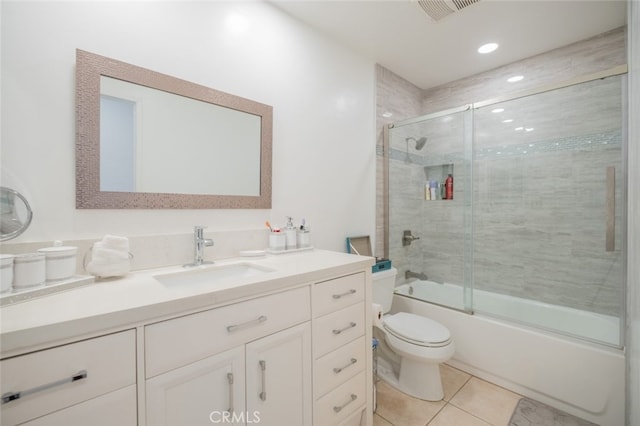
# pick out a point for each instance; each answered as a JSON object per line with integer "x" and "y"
{"x": 448, "y": 187}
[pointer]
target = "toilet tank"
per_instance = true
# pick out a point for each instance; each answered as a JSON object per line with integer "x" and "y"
{"x": 383, "y": 284}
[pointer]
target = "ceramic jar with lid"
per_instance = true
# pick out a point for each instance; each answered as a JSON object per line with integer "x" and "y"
{"x": 60, "y": 261}
{"x": 28, "y": 270}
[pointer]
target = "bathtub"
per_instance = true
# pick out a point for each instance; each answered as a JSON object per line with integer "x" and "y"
{"x": 579, "y": 377}
{"x": 573, "y": 322}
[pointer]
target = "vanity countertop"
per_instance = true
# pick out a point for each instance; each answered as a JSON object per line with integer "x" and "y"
{"x": 138, "y": 298}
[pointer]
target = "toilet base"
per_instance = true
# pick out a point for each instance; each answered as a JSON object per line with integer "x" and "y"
{"x": 420, "y": 380}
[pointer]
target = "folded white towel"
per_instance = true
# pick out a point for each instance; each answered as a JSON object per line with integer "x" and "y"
{"x": 110, "y": 257}
{"x": 115, "y": 242}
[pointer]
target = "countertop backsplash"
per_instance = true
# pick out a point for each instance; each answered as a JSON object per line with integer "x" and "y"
{"x": 153, "y": 251}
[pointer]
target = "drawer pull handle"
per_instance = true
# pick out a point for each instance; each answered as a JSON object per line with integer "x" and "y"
{"x": 12, "y": 396}
{"x": 339, "y": 408}
{"x": 263, "y": 367}
{"x": 230, "y": 380}
{"x": 234, "y": 327}
{"x": 339, "y": 369}
{"x": 351, "y": 325}
{"x": 338, "y": 296}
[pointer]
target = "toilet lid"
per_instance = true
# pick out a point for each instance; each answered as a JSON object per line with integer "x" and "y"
{"x": 415, "y": 328}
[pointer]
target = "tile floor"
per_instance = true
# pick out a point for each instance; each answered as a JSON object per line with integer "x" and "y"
{"x": 468, "y": 401}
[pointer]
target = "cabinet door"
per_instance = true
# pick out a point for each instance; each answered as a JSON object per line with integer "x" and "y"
{"x": 114, "y": 408}
{"x": 279, "y": 378}
{"x": 202, "y": 393}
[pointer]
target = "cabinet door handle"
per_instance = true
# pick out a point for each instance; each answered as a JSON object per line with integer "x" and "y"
{"x": 338, "y": 408}
{"x": 263, "y": 368}
{"x": 338, "y": 296}
{"x": 230, "y": 380}
{"x": 339, "y": 369}
{"x": 234, "y": 327}
{"x": 338, "y": 331}
{"x": 12, "y": 396}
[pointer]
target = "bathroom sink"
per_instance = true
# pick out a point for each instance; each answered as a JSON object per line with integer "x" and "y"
{"x": 211, "y": 274}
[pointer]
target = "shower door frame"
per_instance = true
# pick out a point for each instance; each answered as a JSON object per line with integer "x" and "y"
{"x": 621, "y": 70}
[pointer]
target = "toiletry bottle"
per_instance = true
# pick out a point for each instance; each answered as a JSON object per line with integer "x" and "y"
{"x": 432, "y": 189}
{"x": 448, "y": 185}
{"x": 290, "y": 234}
{"x": 302, "y": 236}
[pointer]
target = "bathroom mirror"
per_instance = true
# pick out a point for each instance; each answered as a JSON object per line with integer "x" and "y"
{"x": 15, "y": 213}
{"x": 148, "y": 140}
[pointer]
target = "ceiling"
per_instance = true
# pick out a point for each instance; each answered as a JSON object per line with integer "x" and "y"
{"x": 400, "y": 36}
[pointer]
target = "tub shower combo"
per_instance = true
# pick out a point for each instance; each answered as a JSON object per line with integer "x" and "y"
{"x": 529, "y": 241}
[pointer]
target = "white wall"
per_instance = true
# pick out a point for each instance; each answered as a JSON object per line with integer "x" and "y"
{"x": 322, "y": 94}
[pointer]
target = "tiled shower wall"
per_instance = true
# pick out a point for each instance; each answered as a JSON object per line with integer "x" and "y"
{"x": 499, "y": 265}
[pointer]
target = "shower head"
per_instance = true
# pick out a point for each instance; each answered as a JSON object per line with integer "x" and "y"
{"x": 420, "y": 143}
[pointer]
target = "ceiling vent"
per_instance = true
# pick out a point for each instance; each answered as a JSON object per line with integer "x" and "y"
{"x": 438, "y": 9}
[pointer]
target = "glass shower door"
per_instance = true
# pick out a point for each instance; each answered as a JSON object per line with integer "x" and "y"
{"x": 549, "y": 210}
{"x": 429, "y": 216}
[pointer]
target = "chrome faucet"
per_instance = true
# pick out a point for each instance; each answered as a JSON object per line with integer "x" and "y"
{"x": 199, "y": 243}
{"x": 419, "y": 275}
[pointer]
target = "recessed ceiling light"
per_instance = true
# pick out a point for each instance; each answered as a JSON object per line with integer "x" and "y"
{"x": 508, "y": 120}
{"x": 488, "y": 48}
{"x": 387, "y": 114}
{"x": 497, "y": 110}
{"x": 515, "y": 78}
{"x": 529, "y": 129}
{"x": 517, "y": 129}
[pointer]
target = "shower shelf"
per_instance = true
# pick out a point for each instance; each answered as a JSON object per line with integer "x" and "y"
{"x": 437, "y": 173}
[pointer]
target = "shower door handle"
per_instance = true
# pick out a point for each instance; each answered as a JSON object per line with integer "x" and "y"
{"x": 610, "y": 238}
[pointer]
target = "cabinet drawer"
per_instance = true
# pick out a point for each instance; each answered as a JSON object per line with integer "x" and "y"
{"x": 340, "y": 403}
{"x": 115, "y": 408}
{"x": 339, "y": 366}
{"x": 336, "y": 329}
{"x": 358, "y": 418}
{"x": 180, "y": 341}
{"x": 42, "y": 382}
{"x": 332, "y": 295}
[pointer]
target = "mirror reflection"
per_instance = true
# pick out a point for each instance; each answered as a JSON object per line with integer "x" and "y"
{"x": 154, "y": 141}
{"x": 15, "y": 213}
{"x": 149, "y": 140}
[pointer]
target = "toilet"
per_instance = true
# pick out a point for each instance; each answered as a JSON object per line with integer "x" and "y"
{"x": 412, "y": 347}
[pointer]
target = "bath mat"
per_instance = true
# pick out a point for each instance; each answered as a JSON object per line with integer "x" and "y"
{"x": 533, "y": 413}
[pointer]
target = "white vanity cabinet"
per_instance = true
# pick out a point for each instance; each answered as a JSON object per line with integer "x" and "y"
{"x": 248, "y": 362}
{"x": 293, "y": 349}
{"x": 340, "y": 351}
{"x": 87, "y": 382}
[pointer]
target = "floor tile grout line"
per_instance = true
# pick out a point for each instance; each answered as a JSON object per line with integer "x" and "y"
{"x": 460, "y": 388}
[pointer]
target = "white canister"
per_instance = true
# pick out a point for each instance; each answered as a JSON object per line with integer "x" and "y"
{"x": 277, "y": 241}
{"x": 60, "y": 261}
{"x": 28, "y": 270}
{"x": 303, "y": 239}
{"x": 6, "y": 272}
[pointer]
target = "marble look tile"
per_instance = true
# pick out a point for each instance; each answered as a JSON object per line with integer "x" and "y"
{"x": 486, "y": 401}
{"x": 451, "y": 415}
{"x": 402, "y": 410}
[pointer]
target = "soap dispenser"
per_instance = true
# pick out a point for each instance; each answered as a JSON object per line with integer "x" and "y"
{"x": 290, "y": 234}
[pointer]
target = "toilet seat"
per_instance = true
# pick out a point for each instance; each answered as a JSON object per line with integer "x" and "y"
{"x": 417, "y": 330}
